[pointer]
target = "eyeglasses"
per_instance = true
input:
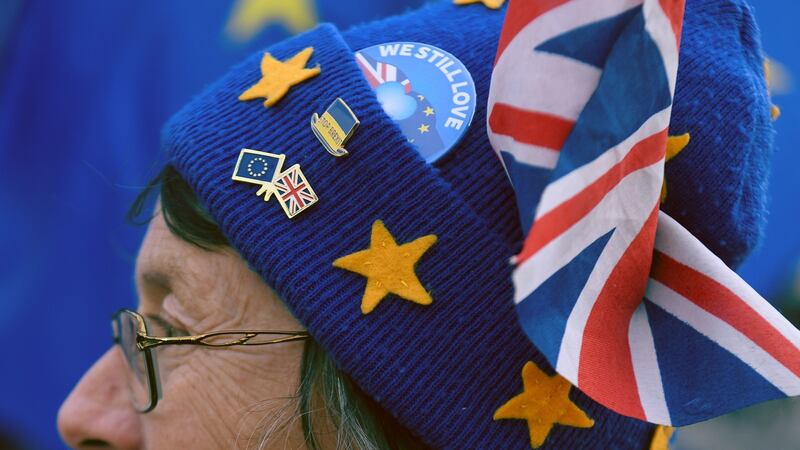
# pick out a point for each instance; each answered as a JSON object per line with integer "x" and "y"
{"x": 130, "y": 332}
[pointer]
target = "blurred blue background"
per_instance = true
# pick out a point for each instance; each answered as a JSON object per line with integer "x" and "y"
{"x": 84, "y": 89}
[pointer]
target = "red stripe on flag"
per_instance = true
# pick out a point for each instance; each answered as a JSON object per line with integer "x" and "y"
{"x": 518, "y": 15}
{"x": 530, "y": 127}
{"x": 606, "y": 365}
{"x": 565, "y": 215}
{"x": 721, "y": 302}
{"x": 674, "y": 11}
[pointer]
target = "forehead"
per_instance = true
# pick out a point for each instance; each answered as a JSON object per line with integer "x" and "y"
{"x": 160, "y": 251}
{"x": 164, "y": 258}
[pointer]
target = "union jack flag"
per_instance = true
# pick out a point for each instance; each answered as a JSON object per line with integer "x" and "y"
{"x": 293, "y": 191}
{"x": 647, "y": 322}
{"x": 380, "y": 72}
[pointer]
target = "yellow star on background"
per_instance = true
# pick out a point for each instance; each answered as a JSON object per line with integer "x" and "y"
{"x": 389, "y": 268}
{"x": 674, "y": 146}
{"x": 661, "y": 437}
{"x": 491, "y": 4}
{"x": 277, "y": 77}
{"x": 423, "y": 128}
{"x": 428, "y": 111}
{"x": 544, "y": 403}
{"x": 248, "y": 17}
{"x": 778, "y": 82}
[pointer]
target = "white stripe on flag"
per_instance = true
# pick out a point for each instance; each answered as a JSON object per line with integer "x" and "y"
{"x": 726, "y": 336}
{"x": 531, "y": 155}
{"x": 660, "y": 28}
{"x": 545, "y": 82}
{"x": 533, "y": 272}
{"x": 572, "y": 183}
{"x": 681, "y": 245}
{"x": 628, "y": 195}
{"x": 391, "y": 72}
{"x": 646, "y": 370}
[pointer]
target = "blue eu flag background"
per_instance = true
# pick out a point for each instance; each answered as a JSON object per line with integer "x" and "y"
{"x": 256, "y": 167}
{"x": 85, "y": 87}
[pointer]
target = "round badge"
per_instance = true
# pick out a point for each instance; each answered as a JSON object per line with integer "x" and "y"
{"x": 425, "y": 90}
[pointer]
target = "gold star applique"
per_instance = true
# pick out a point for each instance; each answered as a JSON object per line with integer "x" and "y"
{"x": 423, "y": 128}
{"x": 277, "y": 77}
{"x": 674, "y": 146}
{"x": 661, "y": 437}
{"x": 544, "y": 403}
{"x": 428, "y": 111}
{"x": 491, "y": 4}
{"x": 248, "y": 17}
{"x": 389, "y": 268}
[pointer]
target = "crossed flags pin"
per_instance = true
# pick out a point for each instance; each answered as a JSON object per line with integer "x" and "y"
{"x": 290, "y": 187}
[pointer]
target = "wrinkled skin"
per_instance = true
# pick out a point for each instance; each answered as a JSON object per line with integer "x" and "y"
{"x": 212, "y": 398}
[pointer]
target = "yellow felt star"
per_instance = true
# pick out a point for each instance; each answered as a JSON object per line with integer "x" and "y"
{"x": 428, "y": 111}
{"x": 544, "y": 403}
{"x": 389, "y": 268}
{"x": 661, "y": 437}
{"x": 423, "y": 128}
{"x": 277, "y": 77}
{"x": 674, "y": 146}
{"x": 491, "y": 4}
{"x": 248, "y": 17}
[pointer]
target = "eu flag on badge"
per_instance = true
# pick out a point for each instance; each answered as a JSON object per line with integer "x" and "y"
{"x": 335, "y": 126}
{"x": 259, "y": 168}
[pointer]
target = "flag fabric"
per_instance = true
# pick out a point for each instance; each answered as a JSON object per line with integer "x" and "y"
{"x": 293, "y": 191}
{"x": 578, "y": 112}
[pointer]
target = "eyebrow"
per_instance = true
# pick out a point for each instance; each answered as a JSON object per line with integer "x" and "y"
{"x": 159, "y": 279}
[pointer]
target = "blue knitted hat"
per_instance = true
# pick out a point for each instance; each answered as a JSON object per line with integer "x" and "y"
{"x": 443, "y": 369}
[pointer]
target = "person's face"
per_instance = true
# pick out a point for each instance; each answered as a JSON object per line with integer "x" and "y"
{"x": 212, "y": 398}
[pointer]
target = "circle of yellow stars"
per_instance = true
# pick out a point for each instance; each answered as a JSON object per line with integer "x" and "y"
{"x": 543, "y": 403}
{"x": 389, "y": 268}
{"x": 278, "y": 76}
{"x": 261, "y": 172}
{"x": 249, "y": 17}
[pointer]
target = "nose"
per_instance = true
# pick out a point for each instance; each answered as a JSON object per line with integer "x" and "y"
{"x": 98, "y": 412}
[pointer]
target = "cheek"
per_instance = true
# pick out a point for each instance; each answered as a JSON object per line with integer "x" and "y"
{"x": 227, "y": 395}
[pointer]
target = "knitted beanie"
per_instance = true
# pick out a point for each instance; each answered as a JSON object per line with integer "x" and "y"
{"x": 443, "y": 369}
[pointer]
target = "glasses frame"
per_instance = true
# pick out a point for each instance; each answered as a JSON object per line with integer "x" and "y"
{"x": 146, "y": 343}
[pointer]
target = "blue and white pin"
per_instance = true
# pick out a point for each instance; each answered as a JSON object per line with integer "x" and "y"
{"x": 290, "y": 186}
{"x": 427, "y": 91}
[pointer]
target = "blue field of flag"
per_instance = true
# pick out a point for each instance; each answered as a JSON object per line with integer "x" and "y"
{"x": 342, "y": 115}
{"x": 257, "y": 167}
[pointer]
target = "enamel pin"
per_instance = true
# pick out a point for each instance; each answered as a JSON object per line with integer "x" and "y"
{"x": 290, "y": 186}
{"x": 335, "y": 127}
{"x": 425, "y": 90}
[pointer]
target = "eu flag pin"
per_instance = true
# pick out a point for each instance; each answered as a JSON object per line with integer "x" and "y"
{"x": 290, "y": 187}
{"x": 335, "y": 127}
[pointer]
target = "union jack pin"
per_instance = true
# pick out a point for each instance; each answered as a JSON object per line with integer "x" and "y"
{"x": 290, "y": 186}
